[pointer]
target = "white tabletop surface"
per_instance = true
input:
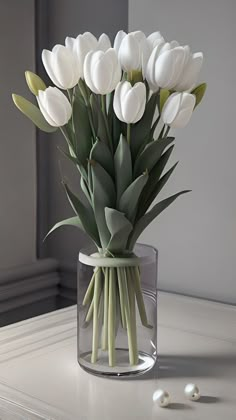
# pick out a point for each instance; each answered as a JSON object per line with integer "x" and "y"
{"x": 40, "y": 377}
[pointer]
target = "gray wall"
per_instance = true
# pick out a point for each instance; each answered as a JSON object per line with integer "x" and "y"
{"x": 17, "y": 137}
{"x": 196, "y": 237}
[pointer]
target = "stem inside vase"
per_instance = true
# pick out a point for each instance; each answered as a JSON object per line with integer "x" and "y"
{"x": 111, "y": 299}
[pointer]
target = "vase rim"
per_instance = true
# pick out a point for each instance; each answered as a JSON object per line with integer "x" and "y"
{"x": 87, "y": 256}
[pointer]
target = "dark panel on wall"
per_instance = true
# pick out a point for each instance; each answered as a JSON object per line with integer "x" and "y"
{"x": 58, "y": 19}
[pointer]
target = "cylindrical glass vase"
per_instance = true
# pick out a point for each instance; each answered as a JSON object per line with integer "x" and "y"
{"x": 117, "y": 312}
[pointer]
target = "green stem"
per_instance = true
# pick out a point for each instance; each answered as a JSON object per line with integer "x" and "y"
{"x": 128, "y": 133}
{"x": 88, "y": 295}
{"x": 105, "y": 318}
{"x": 104, "y": 112}
{"x": 103, "y": 104}
{"x": 132, "y": 358}
{"x": 111, "y": 317}
{"x": 86, "y": 101}
{"x": 97, "y": 293}
{"x": 132, "y": 316}
{"x": 167, "y": 131}
{"x": 121, "y": 293}
{"x": 70, "y": 94}
{"x": 139, "y": 295}
{"x": 90, "y": 311}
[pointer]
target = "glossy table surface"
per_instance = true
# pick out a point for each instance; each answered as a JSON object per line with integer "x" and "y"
{"x": 40, "y": 377}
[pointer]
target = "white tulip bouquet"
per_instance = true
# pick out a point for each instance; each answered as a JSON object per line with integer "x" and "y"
{"x": 115, "y": 107}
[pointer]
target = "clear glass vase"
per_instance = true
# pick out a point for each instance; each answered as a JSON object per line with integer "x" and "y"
{"x": 117, "y": 312}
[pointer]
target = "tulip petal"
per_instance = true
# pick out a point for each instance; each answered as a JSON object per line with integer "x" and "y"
{"x": 44, "y": 111}
{"x": 182, "y": 119}
{"x": 104, "y": 42}
{"x": 87, "y": 69}
{"x": 129, "y": 54}
{"x": 155, "y": 39}
{"x": 102, "y": 75}
{"x": 140, "y": 91}
{"x": 191, "y": 71}
{"x": 171, "y": 108}
{"x": 91, "y": 39}
{"x": 54, "y": 106}
{"x": 66, "y": 68}
{"x": 139, "y": 35}
{"x": 47, "y": 59}
{"x": 117, "y": 101}
{"x": 69, "y": 42}
{"x": 118, "y": 39}
{"x": 168, "y": 67}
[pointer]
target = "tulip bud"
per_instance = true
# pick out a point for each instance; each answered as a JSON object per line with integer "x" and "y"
{"x": 190, "y": 72}
{"x": 133, "y": 50}
{"x": 54, "y": 106}
{"x": 81, "y": 46}
{"x": 34, "y": 82}
{"x": 102, "y": 71}
{"x": 129, "y": 102}
{"x": 165, "y": 65}
{"x": 178, "y": 109}
{"x": 62, "y": 66}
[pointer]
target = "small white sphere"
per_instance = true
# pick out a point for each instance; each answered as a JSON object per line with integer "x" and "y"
{"x": 192, "y": 392}
{"x": 161, "y": 397}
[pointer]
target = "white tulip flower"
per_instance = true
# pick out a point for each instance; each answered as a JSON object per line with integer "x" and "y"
{"x": 178, "y": 109}
{"x": 102, "y": 71}
{"x": 129, "y": 101}
{"x": 133, "y": 51}
{"x": 54, "y": 106}
{"x": 165, "y": 65}
{"x": 189, "y": 76}
{"x": 104, "y": 42}
{"x": 81, "y": 46}
{"x": 61, "y": 66}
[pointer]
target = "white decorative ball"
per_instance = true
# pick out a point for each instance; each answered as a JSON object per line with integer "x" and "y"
{"x": 192, "y": 392}
{"x": 161, "y": 397}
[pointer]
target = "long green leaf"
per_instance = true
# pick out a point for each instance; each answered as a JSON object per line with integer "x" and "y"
{"x": 123, "y": 167}
{"x": 103, "y": 196}
{"x": 151, "y": 154}
{"x": 33, "y": 113}
{"x": 140, "y": 131}
{"x": 101, "y": 153}
{"x": 85, "y": 189}
{"x": 119, "y": 227}
{"x": 153, "y": 179}
{"x": 72, "y": 221}
{"x": 76, "y": 162}
{"x": 99, "y": 117}
{"x": 129, "y": 199}
{"x": 116, "y": 131}
{"x": 82, "y": 130}
{"x": 150, "y": 216}
{"x": 161, "y": 183}
{"x": 85, "y": 214}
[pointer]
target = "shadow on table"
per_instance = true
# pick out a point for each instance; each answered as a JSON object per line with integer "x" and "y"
{"x": 191, "y": 366}
{"x": 195, "y": 366}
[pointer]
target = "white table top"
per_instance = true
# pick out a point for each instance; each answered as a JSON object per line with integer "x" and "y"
{"x": 41, "y": 379}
